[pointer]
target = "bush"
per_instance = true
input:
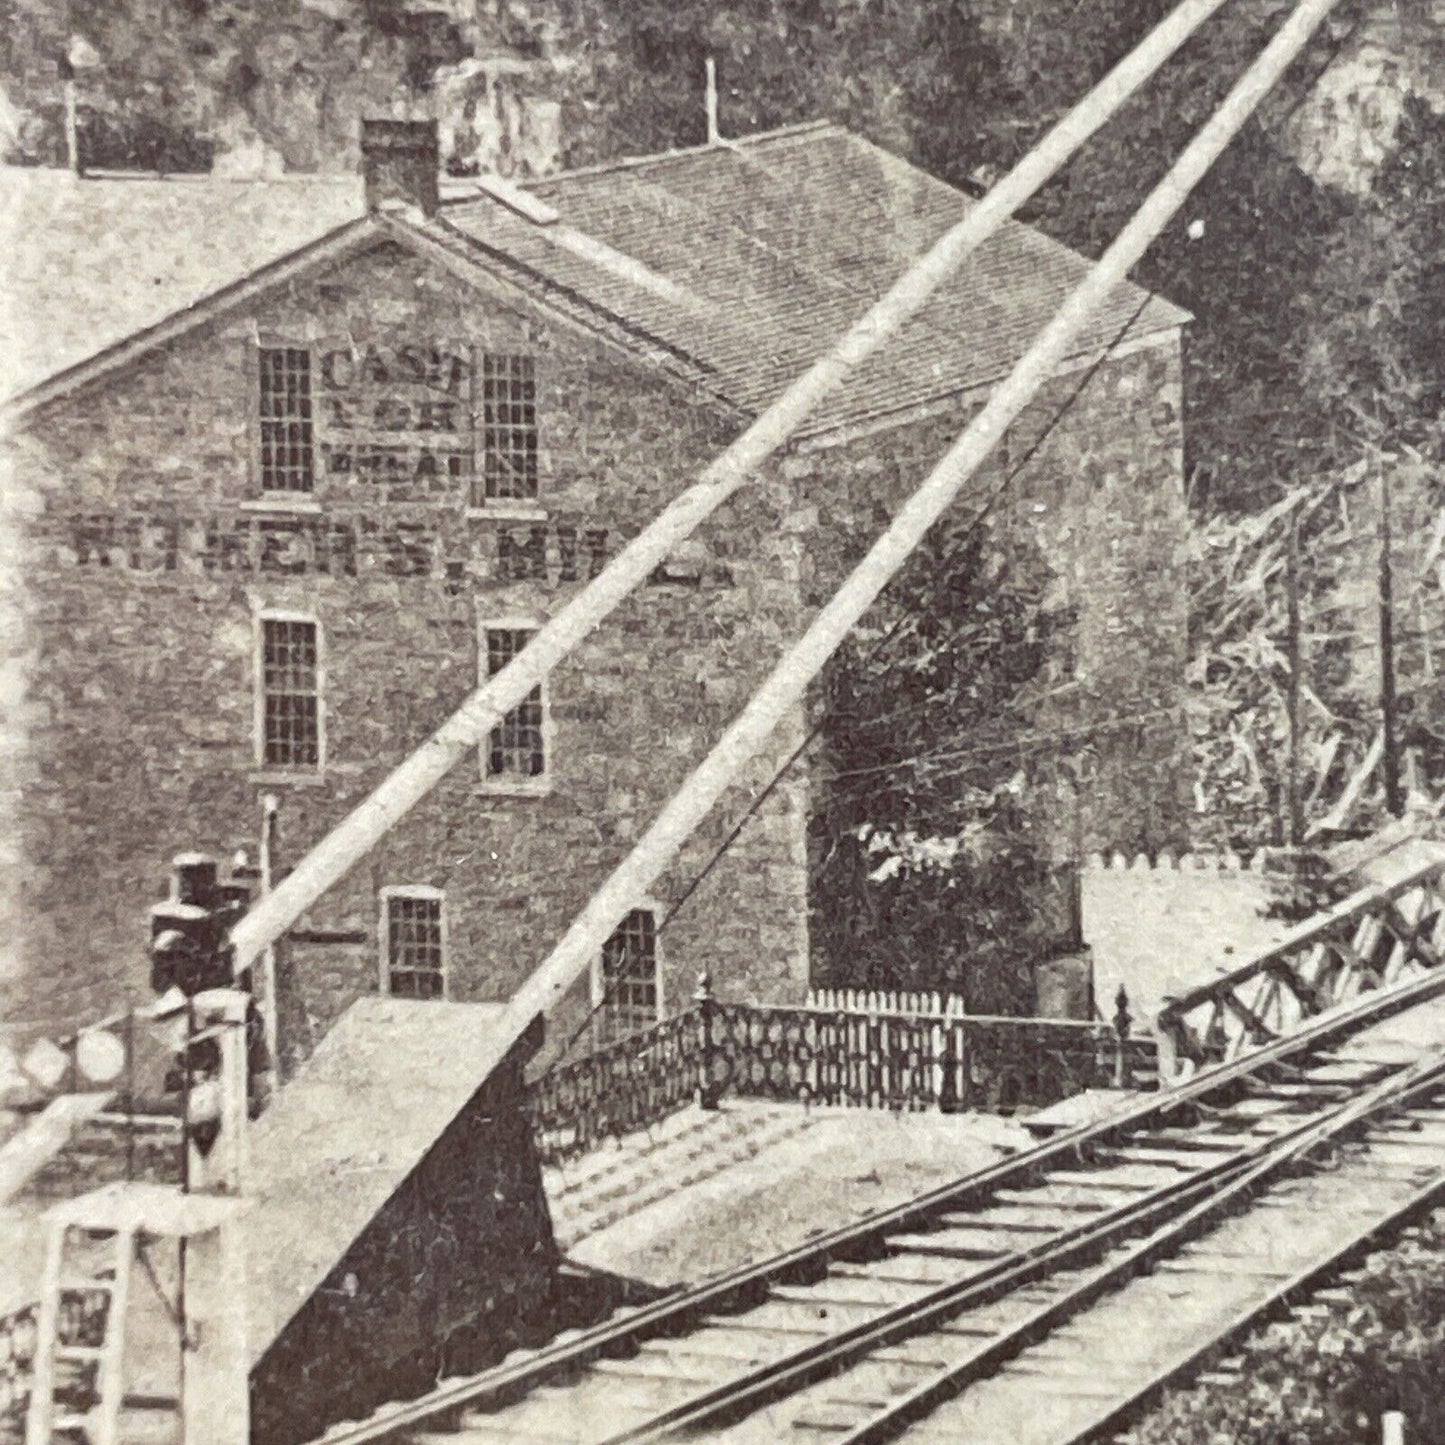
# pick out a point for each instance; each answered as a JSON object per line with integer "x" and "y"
{"x": 1326, "y": 1379}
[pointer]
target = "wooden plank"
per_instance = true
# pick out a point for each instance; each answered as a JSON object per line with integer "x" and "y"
{"x": 157, "y": 1210}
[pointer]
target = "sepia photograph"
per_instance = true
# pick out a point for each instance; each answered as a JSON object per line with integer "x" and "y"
{"x": 719, "y": 721}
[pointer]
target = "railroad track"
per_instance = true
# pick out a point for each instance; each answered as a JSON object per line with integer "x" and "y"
{"x": 1035, "y": 1300}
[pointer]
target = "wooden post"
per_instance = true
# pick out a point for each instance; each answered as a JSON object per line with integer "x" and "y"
{"x": 1296, "y": 827}
{"x": 1123, "y": 1022}
{"x": 130, "y": 1094}
{"x": 708, "y": 1087}
{"x": 1076, "y": 904}
{"x": 1392, "y": 1428}
{"x": 223, "y": 1170}
{"x": 714, "y": 135}
{"x": 1389, "y": 721}
{"x": 1167, "y": 1029}
{"x": 215, "y": 1396}
{"x": 186, "y": 1147}
{"x": 215, "y": 1363}
{"x": 270, "y": 1015}
{"x": 72, "y": 126}
{"x": 355, "y": 836}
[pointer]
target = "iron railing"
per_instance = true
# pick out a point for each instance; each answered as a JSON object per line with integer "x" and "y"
{"x": 627, "y": 1085}
{"x": 859, "y": 1057}
{"x": 902, "y": 1061}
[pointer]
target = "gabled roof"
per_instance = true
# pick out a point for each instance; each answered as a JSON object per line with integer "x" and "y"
{"x": 742, "y": 261}
{"x": 780, "y": 242}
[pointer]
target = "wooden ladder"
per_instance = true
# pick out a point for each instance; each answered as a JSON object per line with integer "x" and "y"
{"x": 67, "y": 1363}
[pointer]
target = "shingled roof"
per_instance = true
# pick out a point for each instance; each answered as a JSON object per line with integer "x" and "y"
{"x": 744, "y": 260}
{"x": 777, "y": 243}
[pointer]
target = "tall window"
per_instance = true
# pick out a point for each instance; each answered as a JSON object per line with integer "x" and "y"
{"x": 517, "y": 750}
{"x": 509, "y": 429}
{"x": 286, "y": 452}
{"x": 626, "y": 982}
{"x": 413, "y": 943}
{"x": 290, "y": 711}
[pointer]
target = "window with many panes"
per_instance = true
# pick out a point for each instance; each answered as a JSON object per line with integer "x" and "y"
{"x": 625, "y": 986}
{"x": 286, "y": 449}
{"x": 413, "y": 943}
{"x": 516, "y": 752}
{"x": 290, "y": 703}
{"x": 509, "y": 429}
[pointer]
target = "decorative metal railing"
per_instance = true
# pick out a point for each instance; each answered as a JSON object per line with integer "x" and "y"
{"x": 628, "y": 1085}
{"x": 864, "y": 1057}
{"x": 902, "y": 1061}
{"x": 1376, "y": 937}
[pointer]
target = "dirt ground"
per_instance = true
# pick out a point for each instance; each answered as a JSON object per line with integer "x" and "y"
{"x": 846, "y": 1163}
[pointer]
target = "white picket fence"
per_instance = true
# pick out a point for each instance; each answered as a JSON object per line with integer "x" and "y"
{"x": 888, "y": 1001}
{"x": 902, "y": 1048}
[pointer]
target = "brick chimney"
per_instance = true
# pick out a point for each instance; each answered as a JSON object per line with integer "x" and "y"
{"x": 401, "y": 161}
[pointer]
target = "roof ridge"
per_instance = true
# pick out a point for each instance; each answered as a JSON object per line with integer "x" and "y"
{"x": 631, "y": 163}
{"x": 93, "y": 176}
{"x": 183, "y": 318}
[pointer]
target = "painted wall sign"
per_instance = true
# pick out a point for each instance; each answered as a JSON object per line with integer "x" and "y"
{"x": 544, "y": 554}
{"x": 396, "y": 417}
{"x": 302, "y": 546}
{"x": 440, "y": 370}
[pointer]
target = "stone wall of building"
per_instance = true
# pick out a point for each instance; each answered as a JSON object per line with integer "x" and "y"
{"x": 145, "y": 554}
{"x": 1103, "y": 498}
{"x": 148, "y": 555}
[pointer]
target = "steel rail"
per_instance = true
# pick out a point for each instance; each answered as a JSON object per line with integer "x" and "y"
{"x": 1393, "y": 1093}
{"x": 1023, "y": 1267}
{"x": 667, "y": 1315}
{"x": 1020, "y": 1268}
{"x": 1305, "y": 1282}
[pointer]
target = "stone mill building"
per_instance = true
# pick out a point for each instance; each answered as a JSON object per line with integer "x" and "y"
{"x": 293, "y": 463}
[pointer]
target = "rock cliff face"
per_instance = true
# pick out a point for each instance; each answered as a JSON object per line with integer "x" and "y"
{"x": 264, "y": 88}
{"x": 1345, "y": 129}
{"x": 256, "y": 88}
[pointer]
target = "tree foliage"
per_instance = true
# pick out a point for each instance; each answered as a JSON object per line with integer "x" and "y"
{"x": 1241, "y": 655}
{"x": 929, "y": 868}
{"x": 167, "y": 84}
{"x": 1370, "y": 341}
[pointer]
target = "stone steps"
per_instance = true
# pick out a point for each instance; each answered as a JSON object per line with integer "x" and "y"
{"x": 628, "y": 1174}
